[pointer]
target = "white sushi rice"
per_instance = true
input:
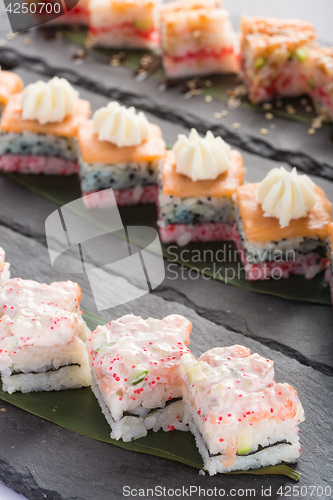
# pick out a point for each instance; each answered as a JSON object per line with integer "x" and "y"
{"x": 131, "y": 427}
{"x": 45, "y": 369}
{"x": 95, "y": 176}
{"x": 28, "y": 143}
{"x": 174, "y": 209}
{"x": 269, "y": 456}
{"x": 65, "y": 377}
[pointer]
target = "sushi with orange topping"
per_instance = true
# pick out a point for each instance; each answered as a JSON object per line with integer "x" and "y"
{"x": 199, "y": 178}
{"x": 282, "y": 226}
{"x": 120, "y": 149}
{"x": 42, "y": 337}
{"x": 4, "y": 268}
{"x": 124, "y": 23}
{"x": 136, "y": 375}
{"x": 197, "y": 38}
{"x": 275, "y": 56}
{"x": 240, "y": 417}
{"x": 38, "y": 129}
{"x": 10, "y": 84}
{"x": 320, "y": 79}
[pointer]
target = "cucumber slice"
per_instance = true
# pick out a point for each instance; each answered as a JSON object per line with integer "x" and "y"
{"x": 195, "y": 374}
{"x": 244, "y": 443}
{"x": 302, "y": 54}
{"x": 260, "y": 62}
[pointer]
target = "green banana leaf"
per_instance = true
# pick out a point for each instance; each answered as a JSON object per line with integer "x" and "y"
{"x": 203, "y": 256}
{"x": 78, "y": 411}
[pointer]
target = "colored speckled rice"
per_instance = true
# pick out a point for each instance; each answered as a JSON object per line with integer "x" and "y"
{"x": 182, "y": 234}
{"x": 124, "y": 197}
{"x": 35, "y": 164}
{"x": 308, "y": 265}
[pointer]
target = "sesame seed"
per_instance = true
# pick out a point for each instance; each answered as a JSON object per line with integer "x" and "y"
{"x": 267, "y": 105}
{"x": 208, "y": 98}
{"x": 308, "y": 109}
{"x": 311, "y": 131}
{"x": 2, "y": 42}
{"x": 290, "y": 109}
{"x": 27, "y": 41}
{"x": 264, "y": 131}
{"x": 217, "y": 115}
{"x": 224, "y": 113}
{"x": 304, "y": 102}
{"x": 208, "y": 83}
{"x": 269, "y": 116}
{"x": 236, "y": 125}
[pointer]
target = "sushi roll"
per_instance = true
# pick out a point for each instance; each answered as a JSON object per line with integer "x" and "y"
{"x": 135, "y": 371}
{"x": 274, "y": 56}
{"x": 199, "y": 177}
{"x": 42, "y": 337}
{"x": 10, "y": 84}
{"x": 240, "y": 417}
{"x": 124, "y": 23}
{"x": 120, "y": 149}
{"x": 197, "y": 38}
{"x": 282, "y": 225}
{"x": 320, "y": 79}
{"x": 38, "y": 129}
{"x": 4, "y": 268}
{"x": 329, "y": 271}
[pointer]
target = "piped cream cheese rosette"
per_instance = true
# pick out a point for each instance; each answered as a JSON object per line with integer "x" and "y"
{"x": 286, "y": 195}
{"x": 48, "y": 102}
{"x": 120, "y": 125}
{"x": 201, "y": 158}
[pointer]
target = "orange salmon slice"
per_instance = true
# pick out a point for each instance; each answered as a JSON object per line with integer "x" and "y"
{"x": 9, "y": 84}
{"x": 95, "y": 151}
{"x": 261, "y": 229}
{"x": 12, "y": 120}
{"x": 183, "y": 187}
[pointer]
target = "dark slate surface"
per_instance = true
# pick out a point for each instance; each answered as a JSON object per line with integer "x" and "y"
{"x": 40, "y": 459}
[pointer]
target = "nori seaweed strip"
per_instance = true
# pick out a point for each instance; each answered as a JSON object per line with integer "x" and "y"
{"x": 173, "y": 400}
{"x": 52, "y": 369}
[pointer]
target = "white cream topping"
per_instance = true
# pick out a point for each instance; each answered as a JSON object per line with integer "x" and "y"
{"x": 120, "y": 125}
{"x": 48, "y": 102}
{"x": 201, "y": 158}
{"x": 286, "y": 195}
